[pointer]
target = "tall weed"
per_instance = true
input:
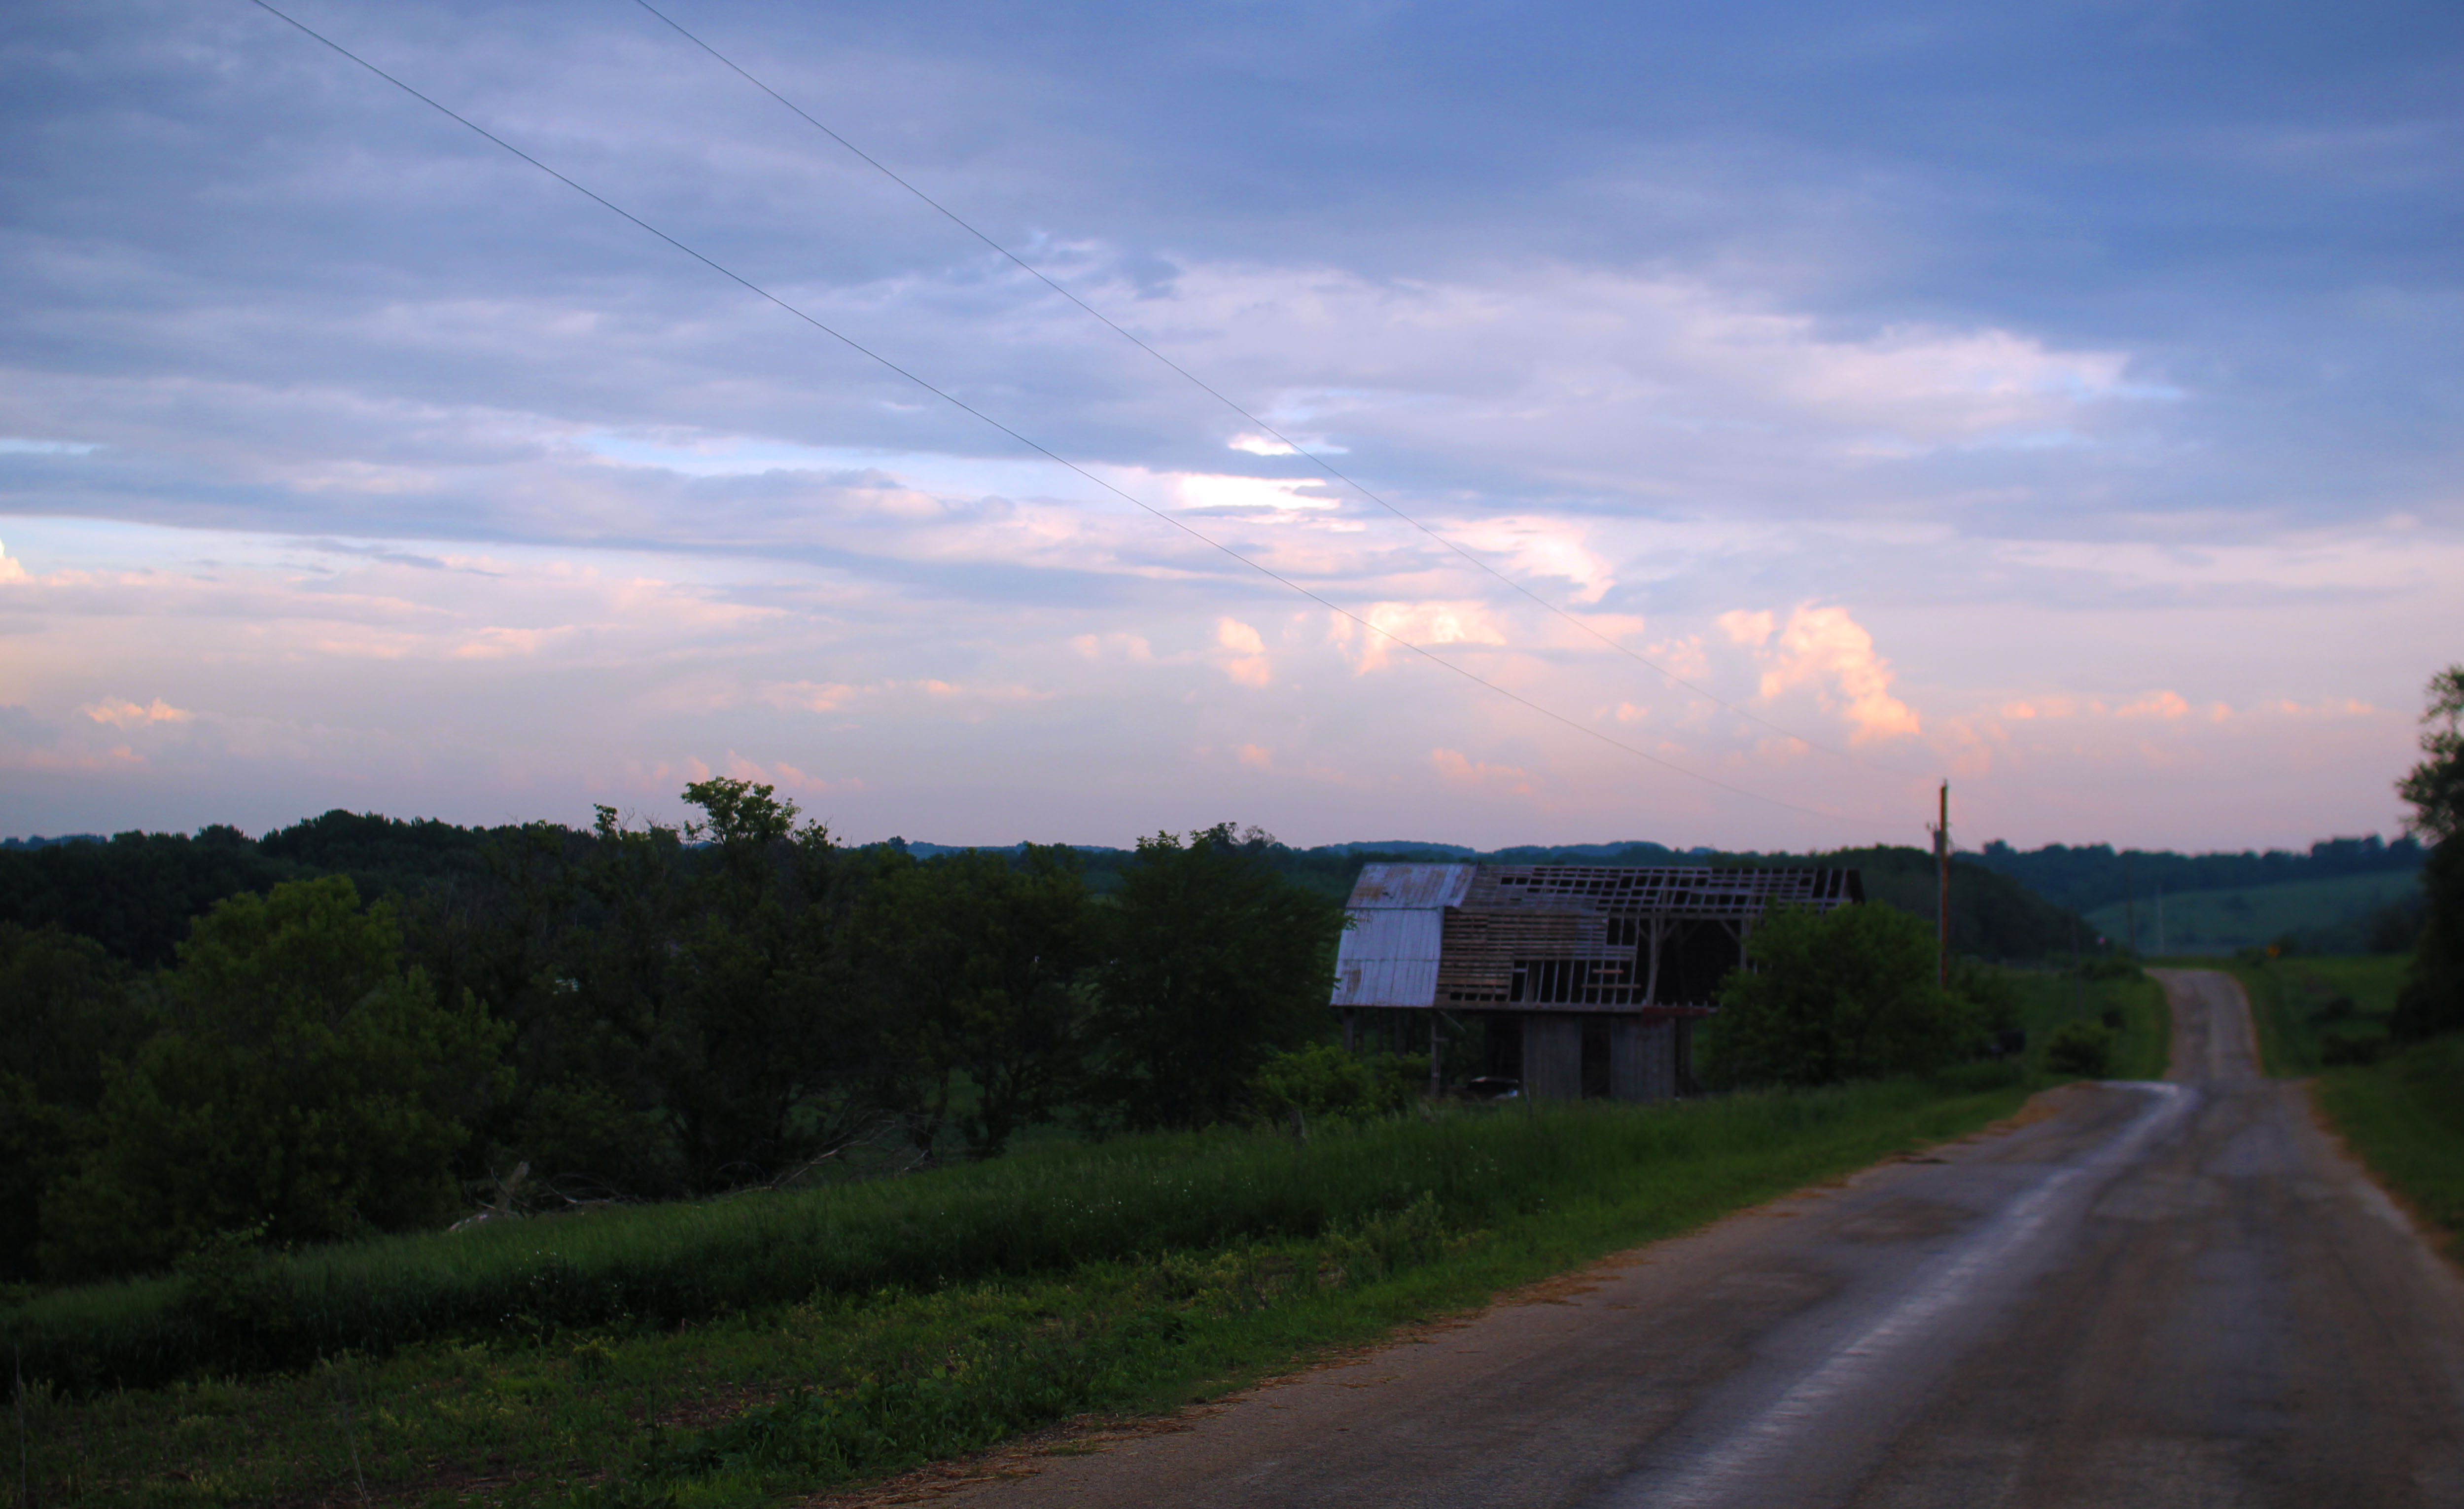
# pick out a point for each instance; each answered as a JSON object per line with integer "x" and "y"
{"x": 1036, "y": 1212}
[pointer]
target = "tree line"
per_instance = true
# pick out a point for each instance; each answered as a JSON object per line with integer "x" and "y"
{"x": 644, "y": 1010}
{"x": 136, "y": 892}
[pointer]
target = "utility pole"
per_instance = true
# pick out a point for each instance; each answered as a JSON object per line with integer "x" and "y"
{"x": 1942, "y": 896}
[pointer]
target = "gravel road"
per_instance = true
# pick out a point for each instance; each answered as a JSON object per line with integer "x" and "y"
{"x": 2150, "y": 1294}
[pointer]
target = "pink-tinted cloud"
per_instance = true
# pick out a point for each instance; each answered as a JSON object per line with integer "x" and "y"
{"x": 1826, "y": 649}
{"x": 120, "y": 713}
{"x": 1430, "y": 623}
{"x": 1245, "y": 662}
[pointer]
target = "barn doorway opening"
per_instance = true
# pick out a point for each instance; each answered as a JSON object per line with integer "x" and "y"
{"x": 1505, "y": 1059}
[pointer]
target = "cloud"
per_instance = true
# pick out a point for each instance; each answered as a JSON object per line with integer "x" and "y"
{"x": 1129, "y": 647}
{"x": 1746, "y": 629}
{"x": 1256, "y": 756}
{"x": 1542, "y": 547}
{"x": 1247, "y": 664}
{"x": 1825, "y": 648}
{"x": 810, "y": 696}
{"x": 2155, "y": 704}
{"x": 1434, "y": 623}
{"x": 1684, "y": 657}
{"x": 1198, "y": 490}
{"x": 120, "y": 713}
{"x": 779, "y": 775}
{"x": 495, "y": 644}
{"x": 1456, "y": 768}
{"x": 2324, "y": 707}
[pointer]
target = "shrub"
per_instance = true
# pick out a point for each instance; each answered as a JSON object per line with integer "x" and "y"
{"x": 2338, "y": 1051}
{"x": 1322, "y": 1081}
{"x": 1847, "y": 994}
{"x": 2081, "y": 1050}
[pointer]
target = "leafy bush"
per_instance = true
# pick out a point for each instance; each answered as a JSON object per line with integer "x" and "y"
{"x": 2080, "y": 1050}
{"x": 1993, "y": 993}
{"x": 1323, "y": 1082}
{"x": 1846, "y": 994}
{"x": 2338, "y": 1051}
{"x": 2339, "y": 1008}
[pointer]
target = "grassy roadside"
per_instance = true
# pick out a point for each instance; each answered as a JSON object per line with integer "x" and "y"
{"x": 2134, "y": 1009}
{"x": 2404, "y": 1118}
{"x": 2396, "y": 1106}
{"x": 749, "y": 1407}
{"x": 2312, "y": 1011}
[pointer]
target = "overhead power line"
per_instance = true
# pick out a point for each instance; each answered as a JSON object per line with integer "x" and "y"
{"x": 857, "y": 347}
{"x": 1290, "y": 444}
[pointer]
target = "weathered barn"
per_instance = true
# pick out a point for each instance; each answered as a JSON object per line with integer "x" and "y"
{"x": 1576, "y": 979}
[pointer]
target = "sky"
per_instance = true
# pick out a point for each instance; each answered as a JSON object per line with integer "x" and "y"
{"x": 1711, "y": 425}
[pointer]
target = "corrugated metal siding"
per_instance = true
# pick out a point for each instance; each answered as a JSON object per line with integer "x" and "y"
{"x": 1389, "y": 957}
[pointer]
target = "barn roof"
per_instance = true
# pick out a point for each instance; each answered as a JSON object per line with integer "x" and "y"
{"x": 1420, "y": 931}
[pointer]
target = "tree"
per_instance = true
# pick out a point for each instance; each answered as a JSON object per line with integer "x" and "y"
{"x": 1837, "y": 995}
{"x": 66, "y": 1008}
{"x": 700, "y": 990}
{"x": 299, "y": 1084}
{"x": 2432, "y": 998}
{"x": 981, "y": 960}
{"x": 1213, "y": 963}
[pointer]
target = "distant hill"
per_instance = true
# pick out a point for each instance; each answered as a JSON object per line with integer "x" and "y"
{"x": 2092, "y": 876}
{"x": 2339, "y": 915}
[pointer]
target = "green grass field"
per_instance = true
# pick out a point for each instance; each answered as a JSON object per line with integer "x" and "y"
{"x": 1231, "y": 1255}
{"x": 2220, "y": 922}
